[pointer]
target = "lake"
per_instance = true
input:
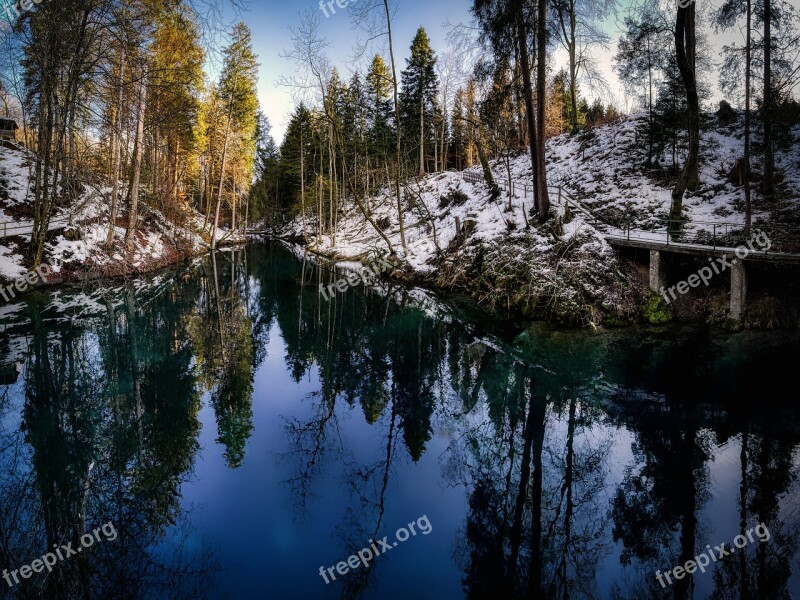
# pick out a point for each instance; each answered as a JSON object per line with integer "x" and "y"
{"x": 223, "y": 431}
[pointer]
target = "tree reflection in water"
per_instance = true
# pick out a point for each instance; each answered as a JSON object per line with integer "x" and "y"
{"x": 586, "y": 461}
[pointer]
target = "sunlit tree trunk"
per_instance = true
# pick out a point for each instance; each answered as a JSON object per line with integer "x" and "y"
{"x": 133, "y": 199}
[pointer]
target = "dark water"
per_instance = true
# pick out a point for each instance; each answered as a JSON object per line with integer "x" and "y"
{"x": 238, "y": 433}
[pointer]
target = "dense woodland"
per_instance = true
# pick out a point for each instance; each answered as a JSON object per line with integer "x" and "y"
{"x": 116, "y": 94}
{"x": 113, "y": 95}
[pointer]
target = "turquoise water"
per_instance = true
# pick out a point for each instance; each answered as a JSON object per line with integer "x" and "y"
{"x": 245, "y": 437}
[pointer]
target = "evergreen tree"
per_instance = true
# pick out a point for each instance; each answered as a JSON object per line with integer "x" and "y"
{"x": 418, "y": 101}
{"x": 296, "y": 158}
{"x": 237, "y": 89}
{"x": 264, "y": 194}
{"x": 379, "y": 90}
{"x": 175, "y": 81}
{"x": 556, "y": 104}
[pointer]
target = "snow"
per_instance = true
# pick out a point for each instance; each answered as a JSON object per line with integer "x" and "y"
{"x": 10, "y": 265}
{"x": 15, "y": 171}
{"x": 84, "y": 254}
{"x": 602, "y": 175}
{"x": 601, "y": 168}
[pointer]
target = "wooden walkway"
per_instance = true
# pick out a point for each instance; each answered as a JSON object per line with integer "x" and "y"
{"x": 700, "y": 238}
{"x": 15, "y": 229}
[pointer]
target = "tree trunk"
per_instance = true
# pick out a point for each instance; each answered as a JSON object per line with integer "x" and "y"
{"x": 573, "y": 69}
{"x": 303, "y": 178}
{"x": 650, "y": 137}
{"x": 518, "y": 93}
{"x": 397, "y": 127}
{"x": 527, "y": 91}
{"x": 484, "y": 160}
{"x": 421, "y": 133}
{"x": 246, "y": 214}
{"x": 769, "y": 151}
{"x": 541, "y": 98}
{"x": 233, "y": 206}
{"x": 133, "y": 201}
{"x": 117, "y": 159}
{"x": 221, "y": 179}
{"x": 748, "y": 207}
{"x": 331, "y": 178}
{"x": 689, "y": 178}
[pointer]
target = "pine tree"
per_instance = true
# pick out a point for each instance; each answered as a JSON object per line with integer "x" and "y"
{"x": 418, "y": 101}
{"x": 296, "y": 153}
{"x": 264, "y": 195}
{"x": 237, "y": 89}
{"x": 380, "y": 111}
{"x": 558, "y": 104}
{"x": 507, "y": 26}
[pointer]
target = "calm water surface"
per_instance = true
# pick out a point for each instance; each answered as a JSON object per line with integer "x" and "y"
{"x": 240, "y": 433}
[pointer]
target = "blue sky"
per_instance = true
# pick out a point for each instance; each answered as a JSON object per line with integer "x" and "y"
{"x": 270, "y": 22}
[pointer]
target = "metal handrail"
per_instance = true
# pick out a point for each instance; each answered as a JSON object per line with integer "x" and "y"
{"x": 16, "y": 227}
{"x": 676, "y": 231}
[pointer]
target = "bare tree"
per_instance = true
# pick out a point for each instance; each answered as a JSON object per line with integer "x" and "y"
{"x": 769, "y": 150}
{"x": 376, "y": 17}
{"x": 578, "y": 27}
{"x": 685, "y": 51}
{"x": 116, "y": 150}
{"x": 133, "y": 191}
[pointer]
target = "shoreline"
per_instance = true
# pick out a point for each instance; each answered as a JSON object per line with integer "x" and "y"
{"x": 708, "y": 309}
{"x": 119, "y": 271}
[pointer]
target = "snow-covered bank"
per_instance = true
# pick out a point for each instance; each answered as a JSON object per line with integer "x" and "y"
{"x": 459, "y": 237}
{"x": 76, "y": 242}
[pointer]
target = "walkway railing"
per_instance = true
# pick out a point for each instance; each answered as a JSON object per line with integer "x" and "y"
{"x": 13, "y": 229}
{"x": 783, "y": 239}
{"x": 714, "y": 236}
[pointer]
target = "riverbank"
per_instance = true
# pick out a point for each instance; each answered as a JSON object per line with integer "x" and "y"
{"x": 570, "y": 280}
{"x": 77, "y": 248}
{"x": 457, "y": 235}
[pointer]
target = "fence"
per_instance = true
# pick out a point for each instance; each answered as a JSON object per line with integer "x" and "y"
{"x": 712, "y": 235}
{"x": 10, "y": 229}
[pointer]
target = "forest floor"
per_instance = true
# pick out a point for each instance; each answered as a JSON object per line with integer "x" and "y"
{"x": 458, "y": 237}
{"x": 76, "y": 248}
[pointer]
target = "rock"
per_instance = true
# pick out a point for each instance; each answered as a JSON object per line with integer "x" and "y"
{"x": 726, "y": 114}
{"x": 72, "y": 234}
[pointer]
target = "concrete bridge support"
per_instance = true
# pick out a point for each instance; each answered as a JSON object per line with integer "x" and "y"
{"x": 657, "y": 277}
{"x": 738, "y": 290}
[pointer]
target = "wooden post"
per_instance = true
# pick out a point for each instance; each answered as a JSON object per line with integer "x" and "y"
{"x": 738, "y": 290}
{"x": 657, "y": 280}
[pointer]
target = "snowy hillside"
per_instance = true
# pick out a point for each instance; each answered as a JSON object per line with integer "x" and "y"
{"x": 605, "y": 169}
{"x": 76, "y": 241}
{"x": 459, "y": 238}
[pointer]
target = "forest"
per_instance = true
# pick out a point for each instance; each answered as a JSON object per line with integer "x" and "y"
{"x": 117, "y": 95}
{"x": 520, "y": 74}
